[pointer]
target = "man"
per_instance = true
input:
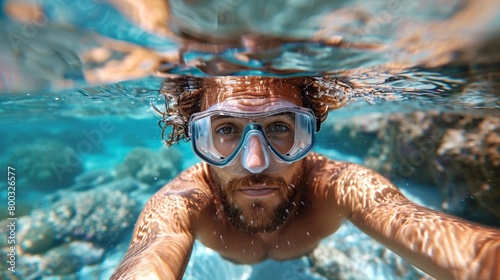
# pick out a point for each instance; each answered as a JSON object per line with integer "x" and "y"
{"x": 260, "y": 193}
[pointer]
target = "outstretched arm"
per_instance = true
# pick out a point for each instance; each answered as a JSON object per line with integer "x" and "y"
{"x": 443, "y": 246}
{"x": 163, "y": 238}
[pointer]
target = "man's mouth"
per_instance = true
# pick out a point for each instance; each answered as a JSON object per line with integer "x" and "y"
{"x": 256, "y": 191}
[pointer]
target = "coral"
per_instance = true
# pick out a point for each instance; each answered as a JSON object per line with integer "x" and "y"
{"x": 70, "y": 257}
{"x": 149, "y": 166}
{"x": 475, "y": 148}
{"x": 39, "y": 239}
{"x": 99, "y": 215}
{"x": 46, "y": 164}
{"x": 75, "y": 227}
{"x": 90, "y": 179}
{"x": 61, "y": 262}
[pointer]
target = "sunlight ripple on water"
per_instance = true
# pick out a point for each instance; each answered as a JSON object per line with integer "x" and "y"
{"x": 442, "y": 53}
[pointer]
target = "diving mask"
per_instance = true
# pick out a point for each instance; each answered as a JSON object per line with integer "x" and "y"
{"x": 280, "y": 131}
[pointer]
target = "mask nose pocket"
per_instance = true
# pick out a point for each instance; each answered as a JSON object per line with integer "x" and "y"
{"x": 255, "y": 156}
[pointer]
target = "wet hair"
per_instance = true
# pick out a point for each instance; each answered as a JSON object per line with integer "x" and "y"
{"x": 183, "y": 96}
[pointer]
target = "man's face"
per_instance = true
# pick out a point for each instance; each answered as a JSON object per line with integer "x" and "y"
{"x": 257, "y": 201}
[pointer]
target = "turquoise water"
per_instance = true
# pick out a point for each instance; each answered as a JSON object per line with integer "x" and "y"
{"x": 77, "y": 79}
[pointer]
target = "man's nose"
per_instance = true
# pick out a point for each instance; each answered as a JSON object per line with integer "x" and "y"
{"x": 255, "y": 159}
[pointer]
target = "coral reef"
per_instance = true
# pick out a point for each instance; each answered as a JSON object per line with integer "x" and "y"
{"x": 46, "y": 164}
{"x": 73, "y": 230}
{"x": 151, "y": 167}
{"x": 92, "y": 178}
{"x": 460, "y": 154}
{"x": 99, "y": 215}
{"x": 70, "y": 257}
{"x": 61, "y": 262}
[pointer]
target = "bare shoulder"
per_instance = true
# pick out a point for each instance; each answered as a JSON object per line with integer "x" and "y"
{"x": 179, "y": 203}
{"x": 191, "y": 183}
{"x": 351, "y": 186}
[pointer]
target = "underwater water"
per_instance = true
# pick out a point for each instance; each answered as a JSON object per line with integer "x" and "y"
{"x": 82, "y": 147}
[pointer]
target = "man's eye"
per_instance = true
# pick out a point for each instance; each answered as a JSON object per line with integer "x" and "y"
{"x": 278, "y": 128}
{"x": 225, "y": 130}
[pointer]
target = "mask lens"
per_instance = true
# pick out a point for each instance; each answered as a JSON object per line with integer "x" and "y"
{"x": 301, "y": 140}
{"x": 227, "y": 132}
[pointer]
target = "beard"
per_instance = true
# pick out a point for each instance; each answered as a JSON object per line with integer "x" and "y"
{"x": 259, "y": 215}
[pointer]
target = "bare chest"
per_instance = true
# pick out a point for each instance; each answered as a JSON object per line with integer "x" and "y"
{"x": 294, "y": 239}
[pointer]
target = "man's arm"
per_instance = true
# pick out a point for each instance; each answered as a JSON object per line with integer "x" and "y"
{"x": 163, "y": 237}
{"x": 443, "y": 246}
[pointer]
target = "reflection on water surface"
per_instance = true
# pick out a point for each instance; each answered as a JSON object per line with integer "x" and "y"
{"x": 388, "y": 50}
